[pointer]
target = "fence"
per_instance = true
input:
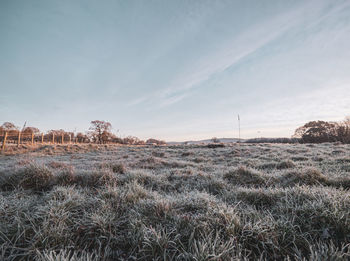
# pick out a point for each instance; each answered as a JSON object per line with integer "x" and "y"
{"x": 32, "y": 138}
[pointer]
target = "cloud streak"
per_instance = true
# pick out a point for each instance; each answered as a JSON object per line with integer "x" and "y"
{"x": 232, "y": 52}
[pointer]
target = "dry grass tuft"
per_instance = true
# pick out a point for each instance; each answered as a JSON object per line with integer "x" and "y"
{"x": 245, "y": 176}
{"x": 58, "y": 165}
{"x": 66, "y": 178}
{"x": 309, "y": 176}
{"x": 35, "y": 177}
{"x": 286, "y": 164}
{"x": 115, "y": 167}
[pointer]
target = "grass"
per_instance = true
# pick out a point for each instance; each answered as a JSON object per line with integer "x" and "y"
{"x": 90, "y": 202}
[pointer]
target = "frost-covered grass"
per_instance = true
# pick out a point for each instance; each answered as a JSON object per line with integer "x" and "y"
{"x": 247, "y": 202}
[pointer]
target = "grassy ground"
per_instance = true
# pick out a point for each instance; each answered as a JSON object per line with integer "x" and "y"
{"x": 248, "y": 202}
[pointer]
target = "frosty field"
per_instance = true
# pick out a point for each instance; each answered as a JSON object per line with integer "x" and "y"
{"x": 238, "y": 202}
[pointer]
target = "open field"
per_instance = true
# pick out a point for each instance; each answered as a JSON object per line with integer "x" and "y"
{"x": 247, "y": 202}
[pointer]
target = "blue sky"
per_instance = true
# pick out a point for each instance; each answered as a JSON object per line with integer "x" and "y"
{"x": 175, "y": 70}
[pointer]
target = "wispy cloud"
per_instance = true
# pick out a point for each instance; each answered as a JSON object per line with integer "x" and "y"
{"x": 232, "y": 52}
{"x": 138, "y": 101}
{"x": 169, "y": 100}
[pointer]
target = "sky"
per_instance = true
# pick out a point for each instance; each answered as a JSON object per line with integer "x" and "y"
{"x": 175, "y": 70}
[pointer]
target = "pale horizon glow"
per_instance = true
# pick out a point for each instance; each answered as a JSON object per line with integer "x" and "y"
{"x": 175, "y": 70}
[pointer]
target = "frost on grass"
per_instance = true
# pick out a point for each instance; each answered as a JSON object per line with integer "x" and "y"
{"x": 255, "y": 202}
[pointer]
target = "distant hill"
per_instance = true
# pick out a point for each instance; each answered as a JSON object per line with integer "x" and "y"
{"x": 221, "y": 140}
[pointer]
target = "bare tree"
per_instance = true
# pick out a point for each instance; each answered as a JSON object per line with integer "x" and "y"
{"x": 100, "y": 131}
{"x": 317, "y": 131}
{"x": 215, "y": 140}
{"x": 82, "y": 138}
{"x": 10, "y": 128}
{"x": 131, "y": 140}
{"x": 55, "y": 135}
{"x": 343, "y": 130}
{"x": 7, "y": 126}
{"x": 30, "y": 130}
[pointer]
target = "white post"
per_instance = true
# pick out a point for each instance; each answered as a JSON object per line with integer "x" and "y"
{"x": 239, "y": 129}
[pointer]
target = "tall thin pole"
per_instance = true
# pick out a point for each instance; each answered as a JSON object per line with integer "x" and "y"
{"x": 239, "y": 136}
{"x": 239, "y": 129}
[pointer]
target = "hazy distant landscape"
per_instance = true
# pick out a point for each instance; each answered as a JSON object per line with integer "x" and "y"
{"x": 219, "y": 140}
{"x": 185, "y": 202}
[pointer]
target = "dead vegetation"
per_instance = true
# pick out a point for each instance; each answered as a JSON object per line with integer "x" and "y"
{"x": 102, "y": 202}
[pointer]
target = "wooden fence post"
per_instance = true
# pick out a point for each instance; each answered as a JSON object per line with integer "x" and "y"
{"x": 70, "y": 138}
{"x": 4, "y": 142}
{"x": 53, "y": 138}
{"x": 32, "y": 139}
{"x": 42, "y": 138}
{"x": 19, "y": 138}
{"x": 62, "y": 138}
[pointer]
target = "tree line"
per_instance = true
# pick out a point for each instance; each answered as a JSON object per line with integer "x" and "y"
{"x": 324, "y": 131}
{"x": 314, "y": 132}
{"x": 100, "y": 132}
